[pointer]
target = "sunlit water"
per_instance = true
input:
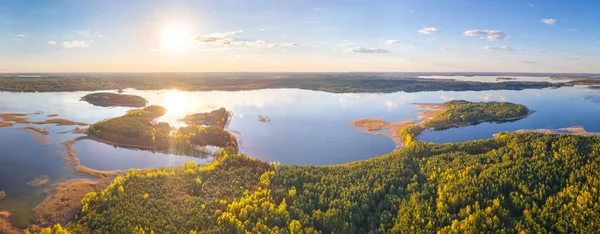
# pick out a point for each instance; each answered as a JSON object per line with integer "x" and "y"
{"x": 307, "y": 127}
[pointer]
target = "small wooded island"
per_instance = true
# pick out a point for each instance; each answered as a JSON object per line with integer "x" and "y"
{"x": 459, "y": 113}
{"x": 138, "y": 129}
{"x": 114, "y": 99}
{"x": 219, "y": 118}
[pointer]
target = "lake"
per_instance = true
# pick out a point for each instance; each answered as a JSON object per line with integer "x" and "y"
{"x": 306, "y": 127}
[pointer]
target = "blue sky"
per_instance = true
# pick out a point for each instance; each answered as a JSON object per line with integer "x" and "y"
{"x": 299, "y": 35}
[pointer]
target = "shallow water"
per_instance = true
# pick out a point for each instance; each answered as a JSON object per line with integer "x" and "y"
{"x": 307, "y": 127}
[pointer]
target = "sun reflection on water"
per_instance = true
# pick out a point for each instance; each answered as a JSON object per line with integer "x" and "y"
{"x": 176, "y": 103}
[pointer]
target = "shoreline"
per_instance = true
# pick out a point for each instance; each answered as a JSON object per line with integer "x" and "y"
{"x": 374, "y": 126}
{"x": 84, "y": 169}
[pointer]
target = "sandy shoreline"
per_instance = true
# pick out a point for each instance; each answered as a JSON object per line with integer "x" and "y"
{"x": 377, "y": 126}
{"x": 374, "y": 126}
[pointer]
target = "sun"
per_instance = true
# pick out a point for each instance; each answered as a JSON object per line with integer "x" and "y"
{"x": 176, "y": 37}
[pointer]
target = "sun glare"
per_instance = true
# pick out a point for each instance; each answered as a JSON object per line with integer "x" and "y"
{"x": 176, "y": 37}
{"x": 175, "y": 102}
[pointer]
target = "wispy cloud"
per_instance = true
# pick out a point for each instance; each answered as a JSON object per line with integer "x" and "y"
{"x": 52, "y": 42}
{"x": 231, "y": 39}
{"x": 77, "y": 44}
{"x": 368, "y": 50}
{"x": 490, "y": 35}
{"x": 394, "y": 42}
{"x": 572, "y": 58}
{"x": 447, "y": 47}
{"x": 428, "y": 30}
{"x": 19, "y": 37}
{"x": 498, "y": 48}
{"x": 219, "y": 37}
{"x": 542, "y": 52}
{"x": 549, "y": 21}
{"x": 530, "y": 4}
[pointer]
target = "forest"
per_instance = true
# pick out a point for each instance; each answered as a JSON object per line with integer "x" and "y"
{"x": 114, "y": 99}
{"x": 331, "y": 84}
{"x": 461, "y": 113}
{"x": 515, "y": 182}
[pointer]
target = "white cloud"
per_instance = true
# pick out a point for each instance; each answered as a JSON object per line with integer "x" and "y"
{"x": 368, "y": 50}
{"x": 530, "y": 4}
{"x": 20, "y": 35}
{"x": 76, "y": 44}
{"x": 572, "y": 58}
{"x": 498, "y": 48}
{"x": 231, "y": 39}
{"x": 428, "y": 30}
{"x": 448, "y": 47}
{"x": 219, "y": 37}
{"x": 542, "y": 51}
{"x": 52, "y": 42}
{"x": 490, "y": 35}
{"x": 549, "y": 21}
{"x": 394, "y": 42}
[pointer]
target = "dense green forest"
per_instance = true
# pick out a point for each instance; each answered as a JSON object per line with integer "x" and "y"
{"x": 516, "y": 182}
{"x": 137, "y": 129}
{"x": 327, "y": 84}
{"x": 114, "y": 99}
{"x": 218, "y": 118}
{"x": 460, "y": 113}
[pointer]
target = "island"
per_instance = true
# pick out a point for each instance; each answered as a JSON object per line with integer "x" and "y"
{"x": 138, "y": 129}
{"x": 264, "y": 119}
{"x": 219, "y": 117}
{"x": 114, "y": 99}
{"x": 459, "y": 113}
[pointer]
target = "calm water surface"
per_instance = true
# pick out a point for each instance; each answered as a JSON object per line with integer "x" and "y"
{"x": 307, "y": 127}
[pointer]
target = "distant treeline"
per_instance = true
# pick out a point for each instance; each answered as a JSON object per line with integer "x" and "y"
{"x": 333, "y": 85}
